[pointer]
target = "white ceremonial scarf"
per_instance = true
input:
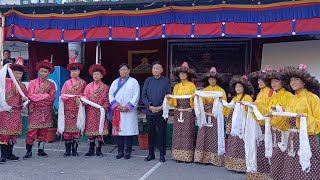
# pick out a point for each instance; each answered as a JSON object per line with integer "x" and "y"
{"x": 304, "y": 152}
{"x": 102, "y": 113}
{"x": 3, "y": 73}
{"x": 166, "y": 107}
{"x": 245, "y": 127}
{"x": 216, "y": 112}
{"x": 81, "y": 118}
{"x": 239, "y": 115}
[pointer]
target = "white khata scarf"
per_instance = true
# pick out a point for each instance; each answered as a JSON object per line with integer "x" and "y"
{"x": 3, "y": 73}
{"x": 166, "y": 107}
{"x": 244, "y": 126}
{"x": 81, "y": 118}
{"x": 216, "y": 112}
{"x": 304, "y": 152}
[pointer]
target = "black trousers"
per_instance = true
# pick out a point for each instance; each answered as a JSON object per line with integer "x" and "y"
{"x": 156, "y": 122}
{"x": 124, "y": 139}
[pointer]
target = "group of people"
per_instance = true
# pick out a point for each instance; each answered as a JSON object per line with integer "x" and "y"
{"x": 270, "y": 136}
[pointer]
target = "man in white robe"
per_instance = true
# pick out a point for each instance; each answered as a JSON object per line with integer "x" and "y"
{"x": 124, "y": 96}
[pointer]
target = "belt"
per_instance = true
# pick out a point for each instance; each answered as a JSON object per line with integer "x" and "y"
{"x": 184, "y": 110}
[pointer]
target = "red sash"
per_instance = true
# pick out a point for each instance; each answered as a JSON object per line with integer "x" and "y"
{"x": 115, "y": 122}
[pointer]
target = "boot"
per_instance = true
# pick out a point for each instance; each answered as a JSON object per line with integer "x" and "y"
{"x": 41, "y": 149}
{"x": 128, "y": 154}
{"x": 91, "y": 150}
{"x": 68, "y": 148}
{"x": 10, "y": 156}
{"x": 3, "y": 153}
{"x": 75, "y": 147}
{"x": 29, "y": 152}
{"x": 120, "y": 144}
{"x": 98, "y": 150}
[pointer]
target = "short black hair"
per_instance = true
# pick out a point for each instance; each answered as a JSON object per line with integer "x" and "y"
{"x": 124, "y": 64}
{"x": 97, "y": 70}
{"x": 75, "y": 68}
{"x": 17, "y": 69}
{"x": 6, "y": 51}
{"x": 156, "y": 62}
{"x": 45, "y": 67}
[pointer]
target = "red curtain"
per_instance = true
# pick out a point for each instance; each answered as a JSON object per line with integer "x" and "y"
{"x": 39, "y": 51}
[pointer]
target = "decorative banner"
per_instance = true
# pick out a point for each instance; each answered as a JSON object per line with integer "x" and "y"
{"x": 194, "y": 21}
{"x": 74, "y": 49}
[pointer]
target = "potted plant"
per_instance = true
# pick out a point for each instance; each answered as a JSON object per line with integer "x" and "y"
{"x": 143, "y": 134}
{"x": 51, "y": 136}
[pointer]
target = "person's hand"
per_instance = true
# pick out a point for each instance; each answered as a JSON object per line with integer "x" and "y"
{"x": 125, "y": 109}
{"x": 24, "y": 99}
{"x": 300, "y": 116}
{"x": 269, "y": 114}
{"x": 168, "y": 96}
{"x": 152, "y": 108}
{"x": 194, "y": 95}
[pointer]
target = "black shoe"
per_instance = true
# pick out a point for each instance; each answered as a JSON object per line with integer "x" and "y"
{"x": 150, "y": 157}
{"x": 29, "y": 152}
{"x": 41, "y": 149}
{"x": 119, "y": 156}
{"x": 162, "y": 159}
{"x": 4, "y": 152}
{"x": 98, "y": 150}
{"x": 42, "y": 153}
{"x": 178, "y": 161}
{"x": 3, "y": 160}
{"x": 127, "y": 156}
{"x": 11, "y": 156}
{"x": 68, "y": 148}
{"x": 75, "y": 147}
{"x": 91, "y": 150}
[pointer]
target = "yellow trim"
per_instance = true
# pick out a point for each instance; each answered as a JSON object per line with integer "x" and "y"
{"x": 130, "y": 53}
{"x": 190, "y": 8}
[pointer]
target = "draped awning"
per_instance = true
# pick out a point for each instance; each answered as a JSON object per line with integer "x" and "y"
{"x": 204, "y": 21}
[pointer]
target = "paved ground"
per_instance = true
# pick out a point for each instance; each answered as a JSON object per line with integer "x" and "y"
{"x": 106, "y": 168}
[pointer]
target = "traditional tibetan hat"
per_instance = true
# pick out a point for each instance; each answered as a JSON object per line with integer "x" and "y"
{"x": 185, "y": 68}
{"x": 97, "y": 67}
{"x": 19, "y": 65}
{"x": 220, "y": 78}
{"x": 45, "y": 63}
{"x": 301, "y": 72}
{"x": 248, "y": 88}
{"x": 71, "y": 66}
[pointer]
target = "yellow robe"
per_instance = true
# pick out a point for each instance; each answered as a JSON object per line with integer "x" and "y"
{"x": 186, "y": 88}
{"x": 308, "y": 104}
{"x": 210, "y": 100}
{"x": 246, "y": 98}
{"x": 281, "y": 98}
{"x": 262, "y": 102}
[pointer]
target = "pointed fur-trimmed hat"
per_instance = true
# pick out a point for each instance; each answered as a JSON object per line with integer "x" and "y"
{"x": 263, "y": 75}
{"x": 214, "y": 74}
{"x": 301, "y": 72}
{"x": 185, "y": 68}
{"x": 248, "y": 88}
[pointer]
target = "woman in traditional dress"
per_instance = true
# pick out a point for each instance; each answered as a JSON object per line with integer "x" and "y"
{"x": 184, "y": 118}
{"x": 280, "y": 99}
{"x": 302, "y": 158}
{"x": 235, "y": 152}
{"x": 207, "y": 140}
{"x": 261, "y": 101}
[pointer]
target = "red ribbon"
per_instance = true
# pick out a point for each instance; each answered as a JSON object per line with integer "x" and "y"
{"x": 115, "y": 122}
